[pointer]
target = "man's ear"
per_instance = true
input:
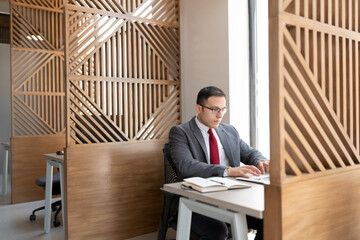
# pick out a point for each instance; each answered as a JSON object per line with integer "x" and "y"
{"x": 198, "y": 108}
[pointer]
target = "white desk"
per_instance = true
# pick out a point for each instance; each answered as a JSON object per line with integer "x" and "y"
{"x": 5, "y": 167}
{"x": 230, "y": 206}
{"x": 53, "y": 160}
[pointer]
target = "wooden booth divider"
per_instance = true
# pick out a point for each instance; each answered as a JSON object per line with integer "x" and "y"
{"x": 314, "y": 123}
{"x": 37, "y": 92}
{"x": 123, "y": 95}
{"x": 28, "y": 164}
{"x": 113, "y": 189}
{"x": 103, "y": 77}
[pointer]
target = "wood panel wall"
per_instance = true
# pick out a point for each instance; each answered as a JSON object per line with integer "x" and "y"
{"x": 113, "y": 189}
{"x": 37, "y": 91}
{"x": 315, "y": 113}
{"x": 28, "y": 164}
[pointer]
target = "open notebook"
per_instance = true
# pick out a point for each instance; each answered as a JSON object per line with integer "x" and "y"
{"x": 263, "y": 178}
{"x": 213, "y": 184}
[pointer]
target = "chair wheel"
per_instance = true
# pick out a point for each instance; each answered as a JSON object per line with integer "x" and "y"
{"x": 56, "y": 223}
{"x": 32, "y": 217}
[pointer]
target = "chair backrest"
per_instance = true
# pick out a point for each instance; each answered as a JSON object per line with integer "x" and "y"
{"x": 171, "y": 175}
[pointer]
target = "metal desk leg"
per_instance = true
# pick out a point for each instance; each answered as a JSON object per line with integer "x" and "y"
{"x": 186, "y": 207}
{"x": 48, "y": 196}
{"x": 239, "y": 227}
{"x": 184, "y": 221}
{"x": 5, "y": 172}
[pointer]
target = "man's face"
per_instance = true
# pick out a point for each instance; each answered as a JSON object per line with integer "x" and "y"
{"x": 208, "y": 117}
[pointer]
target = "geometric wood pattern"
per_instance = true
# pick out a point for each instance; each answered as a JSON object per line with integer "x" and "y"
{"x": 319, "y": 86}
{"x": 122, "y": 83}
{"x": 123, "y": 63}
{"x": 314, "y": 121}
{"x": 38, "y": 93}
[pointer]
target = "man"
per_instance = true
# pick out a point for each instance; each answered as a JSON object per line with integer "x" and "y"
{"x": 205, "y": 147}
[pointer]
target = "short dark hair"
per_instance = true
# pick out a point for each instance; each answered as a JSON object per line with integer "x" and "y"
{"x": 207, "y": 92}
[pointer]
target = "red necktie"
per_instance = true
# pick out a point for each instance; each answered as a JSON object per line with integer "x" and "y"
{"x": 214, "y": 150}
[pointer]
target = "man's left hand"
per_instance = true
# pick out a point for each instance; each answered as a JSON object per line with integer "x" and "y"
{"x": 263, "y": 166}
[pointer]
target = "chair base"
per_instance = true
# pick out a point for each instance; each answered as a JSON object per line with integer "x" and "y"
{"x": 55, "y": 206}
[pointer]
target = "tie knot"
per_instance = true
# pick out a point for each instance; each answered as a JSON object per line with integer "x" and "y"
{"x": 210, "y": 131}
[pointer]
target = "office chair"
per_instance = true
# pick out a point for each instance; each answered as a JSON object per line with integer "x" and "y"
{"x": 171, "y": 201}
{"x": 56, "y": 190}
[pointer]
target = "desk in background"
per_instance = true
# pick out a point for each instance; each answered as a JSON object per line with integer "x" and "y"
{"x": 53, "y": 160}
{"x": 230, "y": 206}
{"x": 5, "y": 167}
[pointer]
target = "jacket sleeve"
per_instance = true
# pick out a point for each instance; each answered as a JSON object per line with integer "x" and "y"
{"x": 249, "y": 155}
{"x": 237, "y": 149}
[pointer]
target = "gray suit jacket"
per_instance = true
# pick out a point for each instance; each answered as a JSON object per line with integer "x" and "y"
{"x": 188, "y": 150}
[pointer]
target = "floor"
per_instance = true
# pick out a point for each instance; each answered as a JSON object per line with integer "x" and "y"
{"x": 7, "y": 198}
{"x": 15, "y": 223}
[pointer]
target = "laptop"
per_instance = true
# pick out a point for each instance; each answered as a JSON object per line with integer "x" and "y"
{"x": 263, "y": 178}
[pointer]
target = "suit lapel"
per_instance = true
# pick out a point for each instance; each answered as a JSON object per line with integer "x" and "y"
{"x": 198, "y": 135}
{"x": 225, "y": 143}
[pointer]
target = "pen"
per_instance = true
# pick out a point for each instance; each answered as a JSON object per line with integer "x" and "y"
{"x": 217, "y": 182}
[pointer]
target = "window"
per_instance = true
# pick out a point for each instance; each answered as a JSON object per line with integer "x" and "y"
{"x": 259, "y": 76}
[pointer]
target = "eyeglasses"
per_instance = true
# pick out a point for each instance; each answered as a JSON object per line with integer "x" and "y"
{"x": 216, "y": 110}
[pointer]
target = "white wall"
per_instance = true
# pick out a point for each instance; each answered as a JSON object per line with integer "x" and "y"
{"x": 204, "y": 50}
{"x": 5, "y": 103}
{"x": 4, "y": 7}
{"x": 208, "y": 57}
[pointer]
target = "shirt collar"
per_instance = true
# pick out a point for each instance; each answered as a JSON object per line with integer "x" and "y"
{"x": 202, "y": 127}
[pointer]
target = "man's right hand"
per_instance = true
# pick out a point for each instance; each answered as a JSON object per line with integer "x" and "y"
{"x": 243, "y": 171}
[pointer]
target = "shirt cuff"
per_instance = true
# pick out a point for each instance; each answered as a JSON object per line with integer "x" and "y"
{"x": 225, "y": 174}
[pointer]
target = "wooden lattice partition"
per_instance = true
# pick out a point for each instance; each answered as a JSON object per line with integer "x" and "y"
{"x": 318, "y": 102}
{"x": 37, "y": 60}
{"x": 123, "y": 94}
{"x": 120, "y": 93}
{"x": 123, "y": 70}
{"x": 315, "y": 118}
{"x": 37, "y": 91}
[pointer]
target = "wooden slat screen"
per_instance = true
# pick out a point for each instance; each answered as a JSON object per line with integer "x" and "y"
{"x": 123, "y": 68}
{"x": 314, "y": 120}
{"x": 37, "y": 91}
{"x": 37, "y": 61}
{"x": 318, "y": 100}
